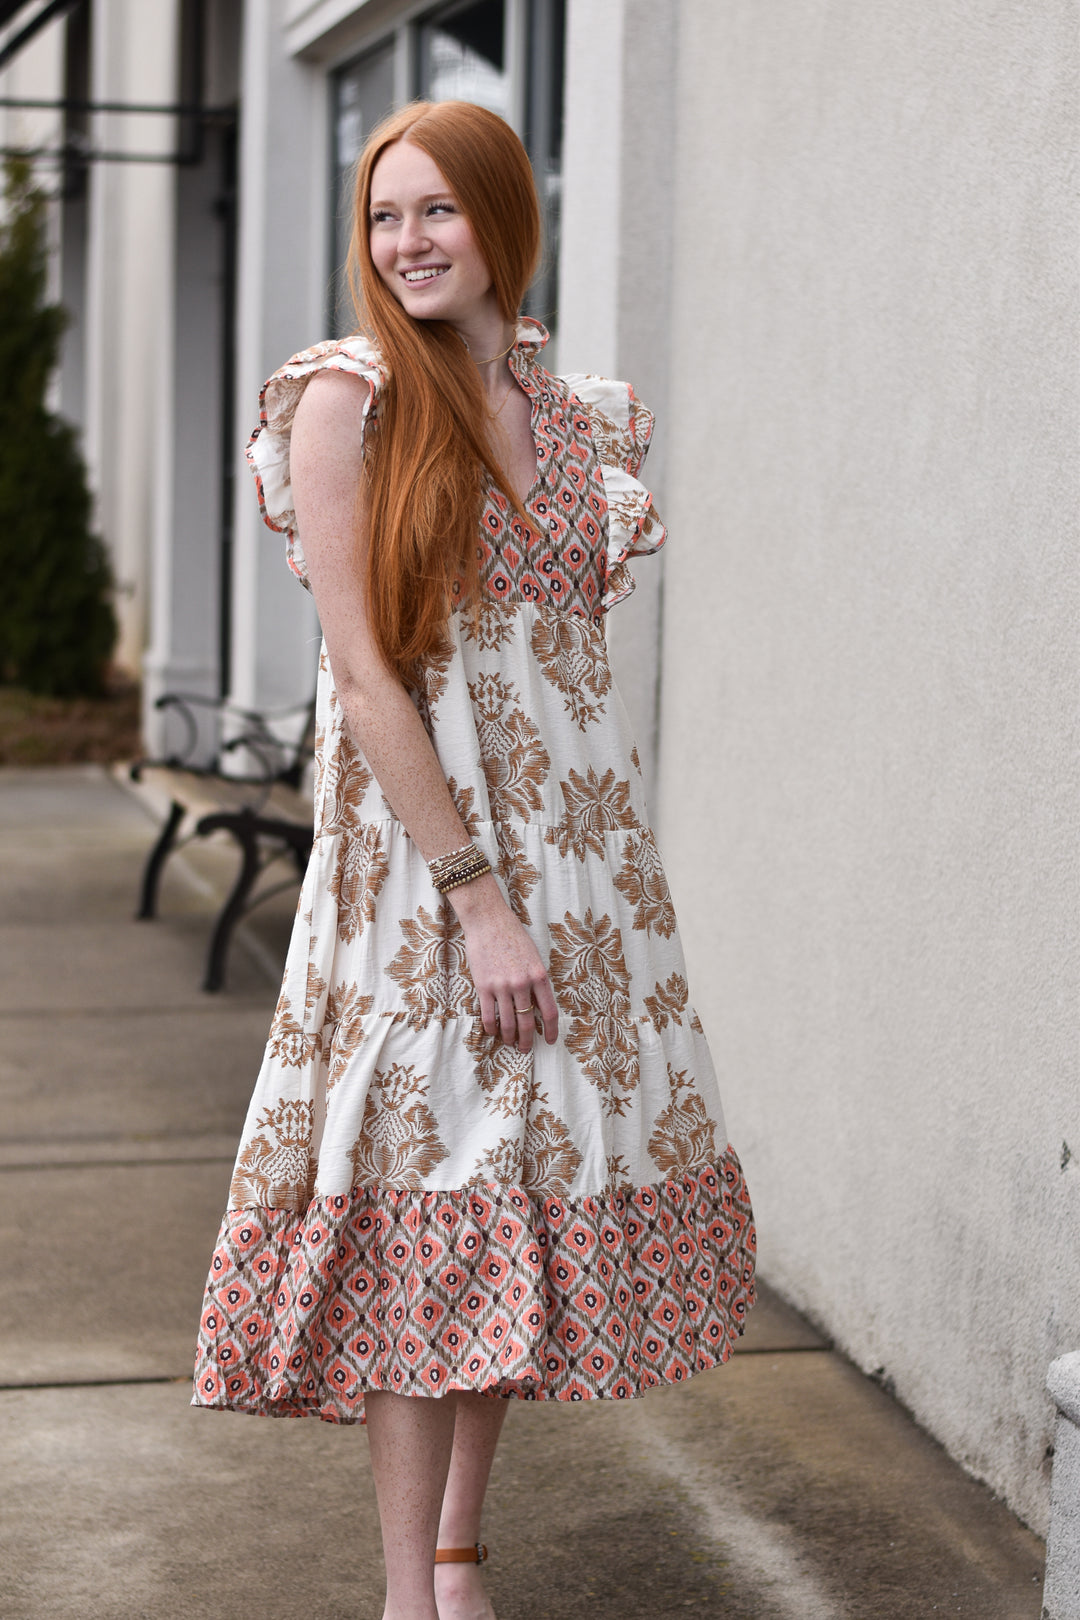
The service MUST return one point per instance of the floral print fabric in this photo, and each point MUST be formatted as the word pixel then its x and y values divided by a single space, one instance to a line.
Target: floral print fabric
pixel 416 1206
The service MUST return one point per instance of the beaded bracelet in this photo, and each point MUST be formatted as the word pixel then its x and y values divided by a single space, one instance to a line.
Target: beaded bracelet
pixel 461 866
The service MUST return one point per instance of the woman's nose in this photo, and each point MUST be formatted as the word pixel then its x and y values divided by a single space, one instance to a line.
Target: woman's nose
pixel 413 237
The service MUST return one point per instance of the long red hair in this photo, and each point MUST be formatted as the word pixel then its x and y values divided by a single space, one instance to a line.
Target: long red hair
pixel 426 459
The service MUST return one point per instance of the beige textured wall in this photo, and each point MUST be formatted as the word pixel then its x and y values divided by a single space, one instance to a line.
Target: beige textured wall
pixel 870 673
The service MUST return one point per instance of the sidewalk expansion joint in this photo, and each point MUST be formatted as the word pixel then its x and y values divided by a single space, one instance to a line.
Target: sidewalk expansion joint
pixel 784 1350
pixel 99 1383
pixel 116 1164
pixel 214 1002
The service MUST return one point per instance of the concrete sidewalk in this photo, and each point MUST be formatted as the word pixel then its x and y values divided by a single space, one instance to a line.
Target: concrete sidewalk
pixel 782 1487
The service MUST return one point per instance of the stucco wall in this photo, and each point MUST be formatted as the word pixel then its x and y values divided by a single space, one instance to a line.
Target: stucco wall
pixel 870 674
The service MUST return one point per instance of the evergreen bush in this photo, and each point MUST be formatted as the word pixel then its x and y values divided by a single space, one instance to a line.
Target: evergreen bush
pixel 57 625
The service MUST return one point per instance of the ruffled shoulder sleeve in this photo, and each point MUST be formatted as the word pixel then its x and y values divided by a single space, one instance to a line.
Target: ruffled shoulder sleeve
pixel 268 447
pixel 621 429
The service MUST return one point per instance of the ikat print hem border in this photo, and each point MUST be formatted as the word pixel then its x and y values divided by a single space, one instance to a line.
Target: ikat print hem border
pixel 486 1289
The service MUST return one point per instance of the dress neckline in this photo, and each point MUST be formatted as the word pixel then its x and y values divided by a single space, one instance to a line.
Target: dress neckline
pixel 522 360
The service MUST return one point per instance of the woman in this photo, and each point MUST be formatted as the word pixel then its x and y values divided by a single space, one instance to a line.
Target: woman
pixel 485 1155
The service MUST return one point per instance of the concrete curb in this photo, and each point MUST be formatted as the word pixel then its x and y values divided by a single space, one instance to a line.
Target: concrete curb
pixel 1061 1594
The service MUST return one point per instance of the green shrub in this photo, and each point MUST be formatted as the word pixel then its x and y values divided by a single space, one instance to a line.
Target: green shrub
pixel 57 625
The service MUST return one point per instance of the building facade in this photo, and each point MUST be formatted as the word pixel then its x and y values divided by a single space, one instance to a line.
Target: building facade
pixel 833 246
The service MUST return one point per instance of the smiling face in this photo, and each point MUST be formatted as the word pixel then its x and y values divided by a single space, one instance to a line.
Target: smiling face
pixel 422 246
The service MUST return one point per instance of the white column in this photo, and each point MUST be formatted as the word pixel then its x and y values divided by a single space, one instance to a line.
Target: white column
pixel 284 188
pixel 183 655
pixel 129 292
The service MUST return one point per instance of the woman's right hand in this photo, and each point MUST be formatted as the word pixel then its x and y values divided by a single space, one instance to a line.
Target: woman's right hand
pixel 507 970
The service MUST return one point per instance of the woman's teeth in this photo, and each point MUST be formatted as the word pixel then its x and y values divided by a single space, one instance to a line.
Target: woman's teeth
pixel 426 275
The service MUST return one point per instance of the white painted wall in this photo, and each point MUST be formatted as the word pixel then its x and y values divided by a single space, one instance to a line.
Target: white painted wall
pixel 615 272
pixel 870 673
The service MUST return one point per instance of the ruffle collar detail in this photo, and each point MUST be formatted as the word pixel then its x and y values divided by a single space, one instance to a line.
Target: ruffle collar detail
pixel 621 430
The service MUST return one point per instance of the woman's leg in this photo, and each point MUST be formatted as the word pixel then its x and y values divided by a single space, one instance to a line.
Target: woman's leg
pixel 459 1587
pixel 411 1437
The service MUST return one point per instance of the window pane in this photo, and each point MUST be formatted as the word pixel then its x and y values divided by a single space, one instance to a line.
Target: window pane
pixel 363 94
pixel 462 56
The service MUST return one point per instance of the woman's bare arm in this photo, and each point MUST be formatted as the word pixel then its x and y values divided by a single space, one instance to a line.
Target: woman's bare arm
pixel 326 458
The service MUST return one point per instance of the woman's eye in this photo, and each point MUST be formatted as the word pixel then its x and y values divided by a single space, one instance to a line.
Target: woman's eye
pixel 440 208
pixel 379 216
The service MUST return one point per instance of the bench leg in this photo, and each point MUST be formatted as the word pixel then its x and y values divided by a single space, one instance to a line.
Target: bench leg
pixel 156 860
pixel 244 831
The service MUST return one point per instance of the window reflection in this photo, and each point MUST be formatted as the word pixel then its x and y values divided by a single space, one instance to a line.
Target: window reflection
pixel 363 93
pixel 463 55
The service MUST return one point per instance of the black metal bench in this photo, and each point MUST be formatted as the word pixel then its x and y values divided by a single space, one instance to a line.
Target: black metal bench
pixel 258 802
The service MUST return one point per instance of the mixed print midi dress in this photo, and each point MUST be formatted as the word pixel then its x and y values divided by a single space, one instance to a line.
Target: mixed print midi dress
pixel 417 1207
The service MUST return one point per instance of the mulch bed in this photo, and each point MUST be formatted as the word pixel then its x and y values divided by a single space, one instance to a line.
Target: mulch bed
pixel 69 731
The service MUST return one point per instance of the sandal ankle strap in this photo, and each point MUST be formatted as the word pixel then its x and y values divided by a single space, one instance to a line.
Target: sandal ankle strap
pixel 476 1554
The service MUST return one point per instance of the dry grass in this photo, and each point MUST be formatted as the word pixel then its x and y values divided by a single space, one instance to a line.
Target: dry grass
pixel 68 731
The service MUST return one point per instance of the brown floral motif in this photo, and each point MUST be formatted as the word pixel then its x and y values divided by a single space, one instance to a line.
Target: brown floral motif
pixel 347 781
pixel 595 805
pixel 684 1137
pixel 619 583
pixel 573 659
pixel 275 1168
pixel 650 536
pixel 362 869
pixel 399 1141
pixel 592 985
pixel 431 682
pixel 465 800
pixel 669 1002
pixel 490 626
pixel 618 1173
pixel 613 444
pixel 515 761
pixel 543 1159
pixel 518 873
pixel 431 968
pixel 643 883
pixel 504 1074
pixel 289 1041
pixel 320 762
pixel 635 759
pixel 343 1029
pixel 629 513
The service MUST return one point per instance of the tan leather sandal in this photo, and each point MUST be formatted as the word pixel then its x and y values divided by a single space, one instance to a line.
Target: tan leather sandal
pixel 461 1555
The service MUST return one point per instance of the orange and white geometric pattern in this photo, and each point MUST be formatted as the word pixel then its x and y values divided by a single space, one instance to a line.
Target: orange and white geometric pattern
pixel 486 1289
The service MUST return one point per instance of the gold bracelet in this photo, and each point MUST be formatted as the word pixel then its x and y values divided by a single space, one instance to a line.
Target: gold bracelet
pixel 442 863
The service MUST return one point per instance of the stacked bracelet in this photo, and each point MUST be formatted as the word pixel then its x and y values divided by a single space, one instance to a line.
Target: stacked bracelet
pixel 461 866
